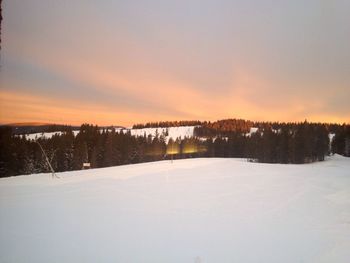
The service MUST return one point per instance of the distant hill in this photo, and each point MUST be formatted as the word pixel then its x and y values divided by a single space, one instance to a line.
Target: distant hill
pixel 20 124
pixel 36 127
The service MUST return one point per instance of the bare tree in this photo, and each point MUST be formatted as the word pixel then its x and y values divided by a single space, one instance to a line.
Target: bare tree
pixel 47 160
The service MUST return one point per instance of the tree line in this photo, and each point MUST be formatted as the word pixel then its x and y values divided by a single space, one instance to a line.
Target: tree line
pixel 99 147
pixel 166 124
pixel 223 127
pixel 227 126
pixel 27 129
pixel 288 143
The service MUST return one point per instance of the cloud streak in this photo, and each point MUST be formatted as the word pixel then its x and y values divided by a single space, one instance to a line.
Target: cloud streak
pixel 121 62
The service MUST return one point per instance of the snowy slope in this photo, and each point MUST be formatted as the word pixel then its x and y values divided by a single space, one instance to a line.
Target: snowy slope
pixel 173 132
pixel 252 130
pixel 194 210
pixel 47 135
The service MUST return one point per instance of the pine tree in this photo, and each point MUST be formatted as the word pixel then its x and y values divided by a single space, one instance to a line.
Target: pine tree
pixel 80 154
pixel 283 150
pixel 112 154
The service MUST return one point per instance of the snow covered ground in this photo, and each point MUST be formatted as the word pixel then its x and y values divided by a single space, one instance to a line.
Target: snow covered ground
pixel 172 132
pixel 47 135
pixel 194 210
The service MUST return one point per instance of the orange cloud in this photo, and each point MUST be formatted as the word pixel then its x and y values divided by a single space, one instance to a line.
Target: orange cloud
pixel 250 95
pixel 20 107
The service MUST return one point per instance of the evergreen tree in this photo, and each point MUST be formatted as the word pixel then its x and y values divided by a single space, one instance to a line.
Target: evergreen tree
pixel 283 148
pixel 112 155
pixel 80 154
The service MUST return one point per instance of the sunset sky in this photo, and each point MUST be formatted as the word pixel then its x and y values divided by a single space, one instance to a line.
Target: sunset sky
pixel 124 62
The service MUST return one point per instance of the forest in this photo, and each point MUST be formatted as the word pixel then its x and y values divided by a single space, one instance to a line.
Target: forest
pixel 272 143
pixel 165 124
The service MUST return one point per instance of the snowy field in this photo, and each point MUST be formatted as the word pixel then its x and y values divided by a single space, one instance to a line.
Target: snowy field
pixel 194 210
pixel 47 135
pixel 171 132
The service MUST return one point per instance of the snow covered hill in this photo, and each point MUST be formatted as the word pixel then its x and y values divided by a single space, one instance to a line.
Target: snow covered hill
pixel 47 135
pixel 194 210
pixel 171 132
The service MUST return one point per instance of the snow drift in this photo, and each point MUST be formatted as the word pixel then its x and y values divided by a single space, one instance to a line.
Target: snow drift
pixel 194 210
